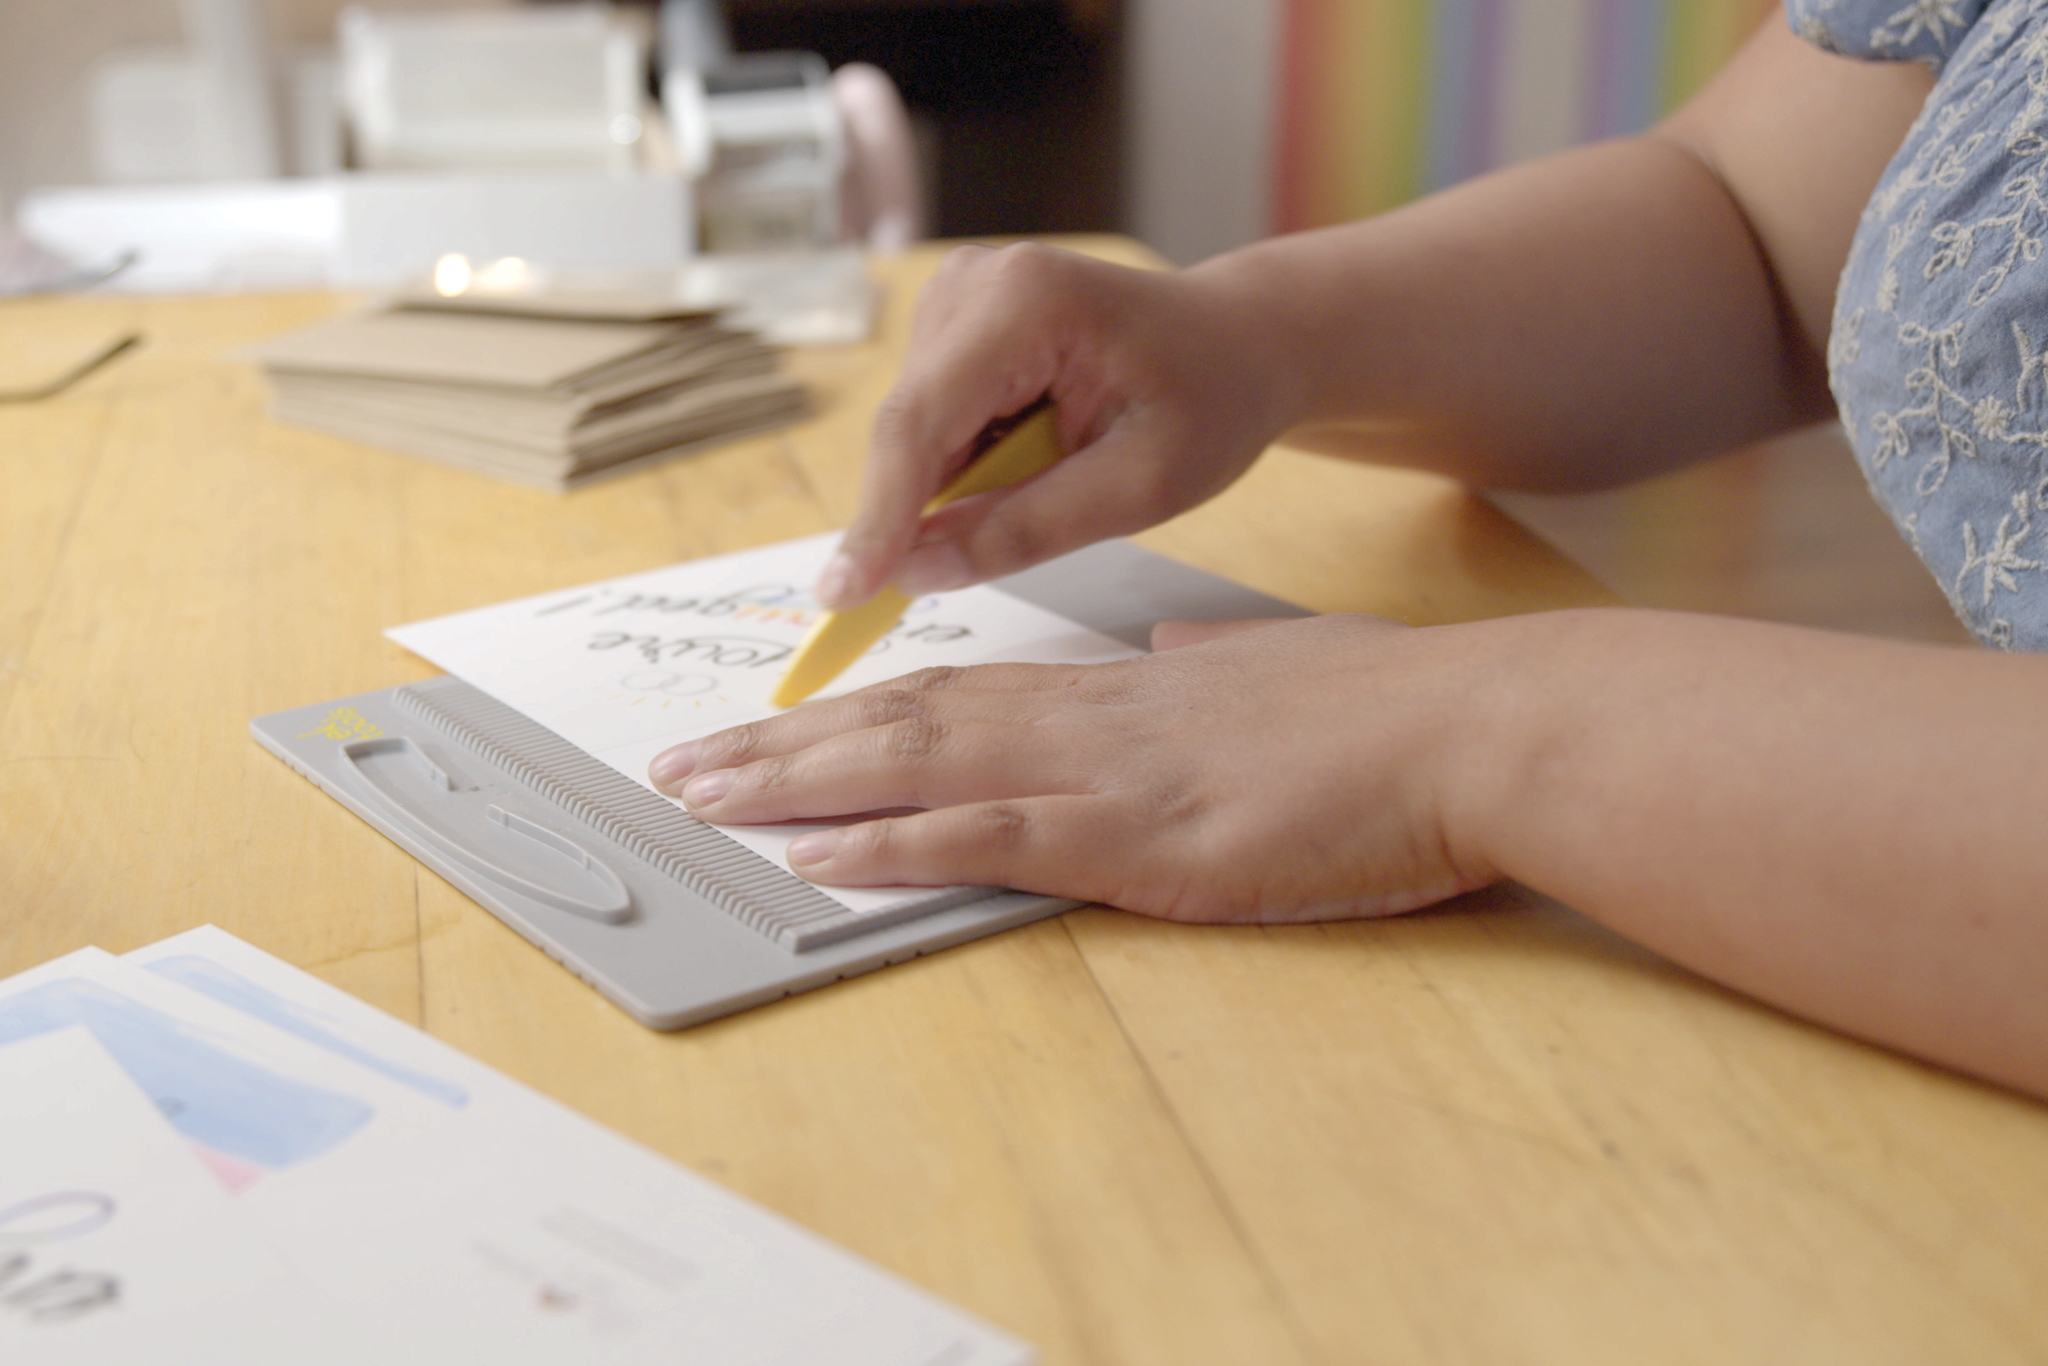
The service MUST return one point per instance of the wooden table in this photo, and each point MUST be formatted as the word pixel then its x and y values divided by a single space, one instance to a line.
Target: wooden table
pixel 1492 1133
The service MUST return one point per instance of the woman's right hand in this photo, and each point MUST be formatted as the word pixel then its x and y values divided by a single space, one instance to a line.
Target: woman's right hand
pixel 1167 388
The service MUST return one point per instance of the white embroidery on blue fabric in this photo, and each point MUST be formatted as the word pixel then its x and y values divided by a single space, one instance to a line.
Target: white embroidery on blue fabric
pixel 1959 240
pixel 1894 429
pixel 1946 403
pixel 1922 16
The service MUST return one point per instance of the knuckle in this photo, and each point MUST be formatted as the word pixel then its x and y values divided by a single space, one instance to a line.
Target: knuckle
pixel 1113 688
pixel 867 841
pixel 1157 487
pixel 731 747
pixel 914 741
pixel 1001 826
pixel 1024 265
pixel 938 678
pixel 1175 804
pixel 954 282
pixel 887 708
pixel 964 260
pixel 768 775
pixel 1018 542
pixel 896 418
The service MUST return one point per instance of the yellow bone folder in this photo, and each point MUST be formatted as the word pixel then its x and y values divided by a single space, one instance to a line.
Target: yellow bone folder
pixel 1013 449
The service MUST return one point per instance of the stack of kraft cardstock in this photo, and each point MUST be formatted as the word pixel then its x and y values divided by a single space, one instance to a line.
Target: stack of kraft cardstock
pixel 551 395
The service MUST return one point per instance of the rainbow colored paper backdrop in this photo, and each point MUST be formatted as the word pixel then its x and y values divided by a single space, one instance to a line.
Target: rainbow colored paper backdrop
pixel 1383 100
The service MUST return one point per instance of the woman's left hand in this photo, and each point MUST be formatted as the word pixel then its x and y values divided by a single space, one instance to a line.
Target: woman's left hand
pixel 1283 771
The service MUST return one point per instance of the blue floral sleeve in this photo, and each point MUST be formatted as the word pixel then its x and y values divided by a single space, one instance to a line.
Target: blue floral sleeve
pixel 1938 353
pixel 1886 30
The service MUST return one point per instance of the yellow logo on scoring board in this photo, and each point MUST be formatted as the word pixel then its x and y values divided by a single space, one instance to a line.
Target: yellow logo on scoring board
pixel 345 723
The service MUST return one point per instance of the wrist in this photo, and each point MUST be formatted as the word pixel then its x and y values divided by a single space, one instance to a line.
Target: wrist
pixel 1530 685
pixel 1255 300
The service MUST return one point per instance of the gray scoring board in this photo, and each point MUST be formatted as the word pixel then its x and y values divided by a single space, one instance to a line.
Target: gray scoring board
pixel 713 928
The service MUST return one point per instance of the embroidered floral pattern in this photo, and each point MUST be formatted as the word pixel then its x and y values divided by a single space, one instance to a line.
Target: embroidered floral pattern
pixel 1934 18
pixel 1939 352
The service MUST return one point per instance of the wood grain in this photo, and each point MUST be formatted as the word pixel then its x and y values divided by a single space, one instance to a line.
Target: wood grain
pixel 1488 1133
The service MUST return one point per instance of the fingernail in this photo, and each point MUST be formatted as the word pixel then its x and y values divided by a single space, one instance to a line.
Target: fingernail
pixel 707 788
pixel 815 847
pixel 671 766
pixel 934 569
pixel 833 583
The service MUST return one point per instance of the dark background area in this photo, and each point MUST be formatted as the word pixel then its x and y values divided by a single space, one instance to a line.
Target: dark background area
pixel 1023 99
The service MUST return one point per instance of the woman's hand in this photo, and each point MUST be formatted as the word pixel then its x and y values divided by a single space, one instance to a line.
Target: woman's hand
pixel 1297 770
pixel 1166 390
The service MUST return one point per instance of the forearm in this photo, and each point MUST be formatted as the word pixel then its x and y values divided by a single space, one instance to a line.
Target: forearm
pixel 1851 829
pixel 1595 316
pixel 1575 322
